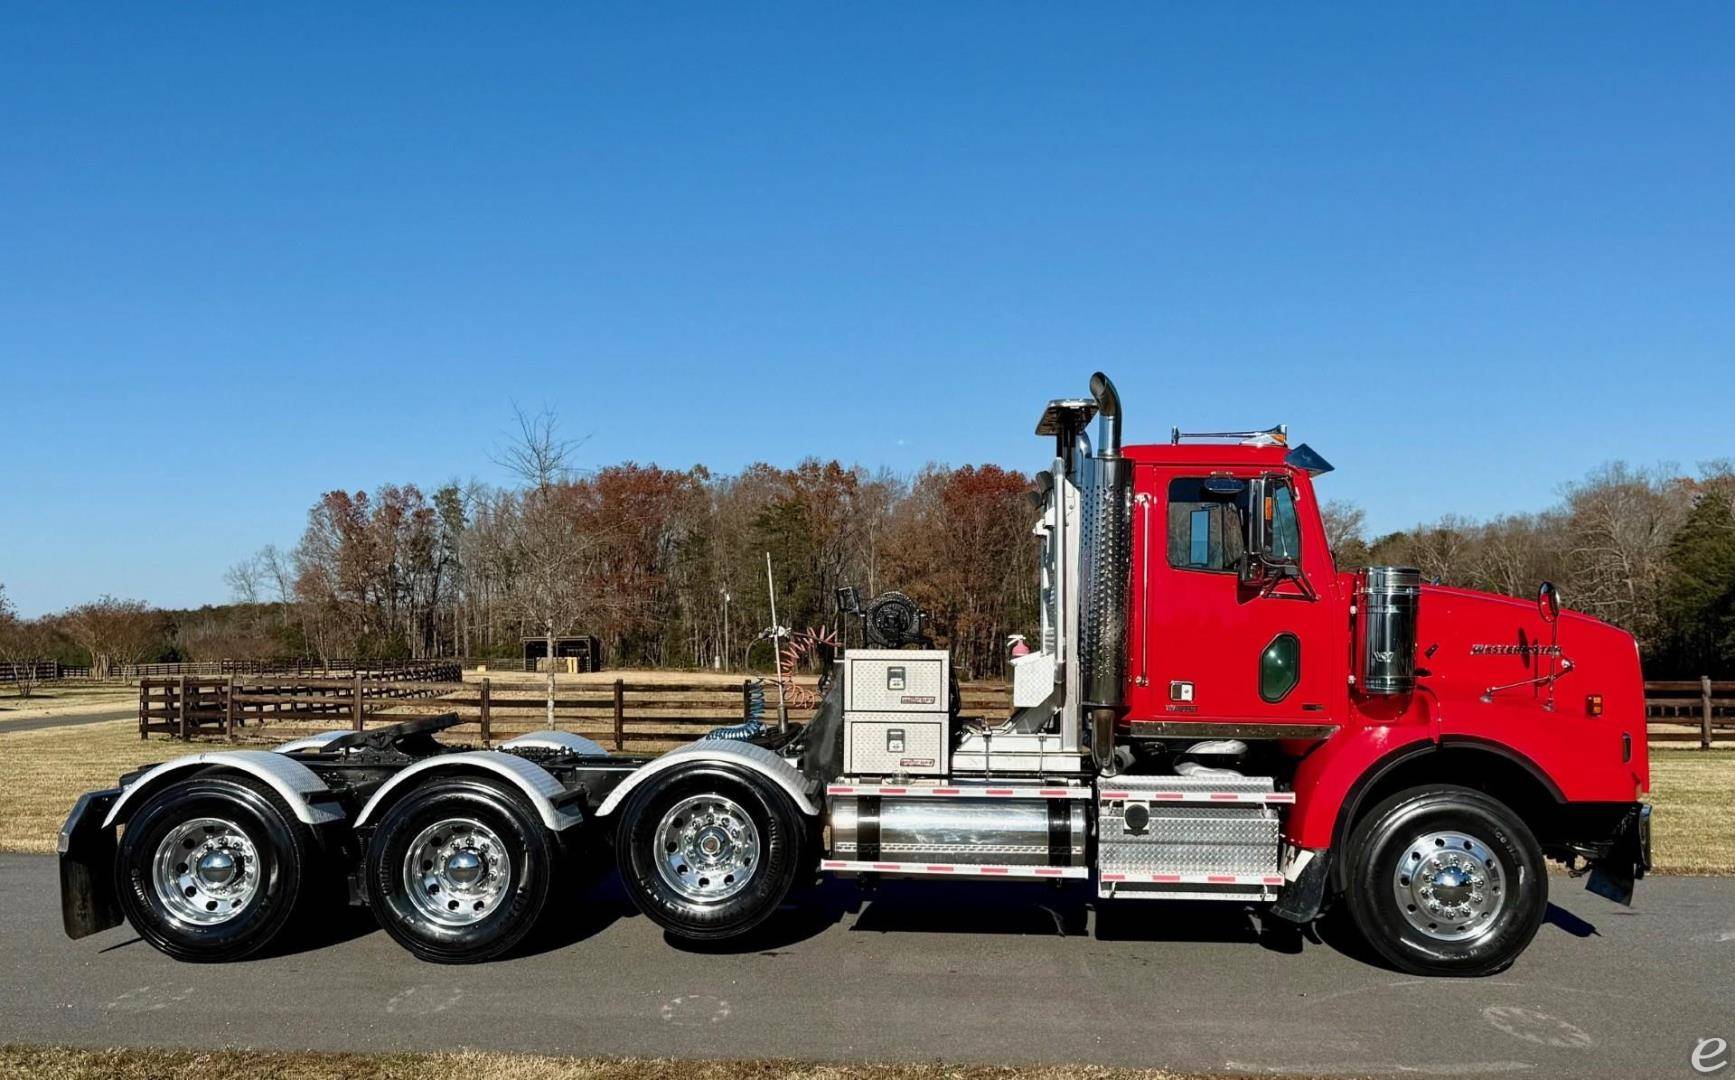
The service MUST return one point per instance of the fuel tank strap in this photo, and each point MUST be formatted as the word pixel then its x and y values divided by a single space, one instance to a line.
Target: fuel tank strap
pixel 867 836
pixel 1059 832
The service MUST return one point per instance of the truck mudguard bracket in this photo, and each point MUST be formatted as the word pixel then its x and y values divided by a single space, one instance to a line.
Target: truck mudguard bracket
pixel 745 755
pixel 551 799
pixel 557 740
pixel 307 795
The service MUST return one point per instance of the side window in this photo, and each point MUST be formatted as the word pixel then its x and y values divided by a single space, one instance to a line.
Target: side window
pixel 1206 528
pixel 1279 667
pixel 1285 526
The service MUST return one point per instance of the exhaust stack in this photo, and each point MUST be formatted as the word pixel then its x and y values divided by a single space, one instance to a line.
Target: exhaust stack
pixel 1107 557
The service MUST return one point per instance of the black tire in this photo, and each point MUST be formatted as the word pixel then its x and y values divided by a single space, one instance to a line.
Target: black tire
pixel 1452 833
pixel 517 854
pixel 777 852
pixel 282 856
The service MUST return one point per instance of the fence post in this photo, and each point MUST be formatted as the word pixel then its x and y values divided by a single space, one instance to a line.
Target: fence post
pixel 620 718
pixel 487 714
pixel 355 701
pixel 229 708
pixel 183 707
pixel 144 706
pixel 1704 712
pixel 746 700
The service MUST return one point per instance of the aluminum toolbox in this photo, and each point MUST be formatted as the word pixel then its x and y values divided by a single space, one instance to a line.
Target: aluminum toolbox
pixel 897 680
pixel 896 744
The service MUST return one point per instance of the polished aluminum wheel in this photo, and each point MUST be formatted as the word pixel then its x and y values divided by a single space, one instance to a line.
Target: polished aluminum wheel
pixel 708 848
pixel 205 871
pixel 456 872
pixel 1450 886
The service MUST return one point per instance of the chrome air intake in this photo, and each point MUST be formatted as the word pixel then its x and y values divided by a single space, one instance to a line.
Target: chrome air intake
pixel 1106 547
pixel 1386 603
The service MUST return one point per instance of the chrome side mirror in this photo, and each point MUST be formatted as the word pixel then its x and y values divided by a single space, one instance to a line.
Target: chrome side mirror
pixel 1548 601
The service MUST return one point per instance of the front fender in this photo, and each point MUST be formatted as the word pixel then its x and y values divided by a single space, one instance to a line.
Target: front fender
pixel 1331 777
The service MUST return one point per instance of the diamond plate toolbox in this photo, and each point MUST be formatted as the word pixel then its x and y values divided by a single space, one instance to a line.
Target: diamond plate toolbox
pixel 1149 825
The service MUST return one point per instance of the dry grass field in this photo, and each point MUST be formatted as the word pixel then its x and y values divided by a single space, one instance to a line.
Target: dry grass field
pixel 56 1063
pixel 1694 826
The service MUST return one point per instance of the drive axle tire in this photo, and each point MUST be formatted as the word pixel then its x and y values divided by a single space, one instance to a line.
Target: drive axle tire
pixel 213 868
pixel 460 870
pixel 1446 881
pixel 709 852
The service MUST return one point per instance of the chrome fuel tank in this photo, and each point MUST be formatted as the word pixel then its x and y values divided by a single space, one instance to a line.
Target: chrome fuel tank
pixel 1014 832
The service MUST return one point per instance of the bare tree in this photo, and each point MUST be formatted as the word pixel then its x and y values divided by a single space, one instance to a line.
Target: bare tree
pixel 1345 532
pixel 549 551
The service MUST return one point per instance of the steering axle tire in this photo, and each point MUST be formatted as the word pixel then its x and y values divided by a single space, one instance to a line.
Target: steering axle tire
pixel 1446 880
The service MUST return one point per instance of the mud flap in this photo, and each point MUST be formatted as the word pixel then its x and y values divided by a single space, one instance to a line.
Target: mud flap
pixel 1302 898
pixel 1628 858
pixel 88 903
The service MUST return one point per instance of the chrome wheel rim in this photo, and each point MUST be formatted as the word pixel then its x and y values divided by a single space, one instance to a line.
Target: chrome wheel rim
pixel 205 871
pixel 1450 886
pixel 707 848
pixel 456 872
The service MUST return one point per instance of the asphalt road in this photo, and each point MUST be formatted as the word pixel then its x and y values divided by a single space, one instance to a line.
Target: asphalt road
pixel 913 972
pixel 37 723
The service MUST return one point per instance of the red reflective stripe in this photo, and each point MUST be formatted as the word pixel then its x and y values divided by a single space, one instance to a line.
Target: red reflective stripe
pixel 1001 791
pixel 840 790
pixel 1170 795
pixel 885 866
pixel 1281 796
pixel 1166 877
pixel 1055 792
pixel 995 870
pixel 830 865
pixel 1225 796
pixel 1114 877
pixel 892 790
pixel 1220 879
pixel 942 869
pixel 1273 879
pixel 1045 871
pixel 945 791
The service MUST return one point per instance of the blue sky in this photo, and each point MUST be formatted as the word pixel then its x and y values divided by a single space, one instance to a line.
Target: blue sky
pixel 248 255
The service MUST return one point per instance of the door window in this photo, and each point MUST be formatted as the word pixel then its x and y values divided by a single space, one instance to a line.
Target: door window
pixel 1207 529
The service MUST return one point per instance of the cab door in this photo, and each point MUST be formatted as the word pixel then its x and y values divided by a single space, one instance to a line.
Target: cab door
pixel 1207 645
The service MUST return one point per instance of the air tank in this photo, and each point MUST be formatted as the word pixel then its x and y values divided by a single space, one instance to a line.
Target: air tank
pixel 1386 604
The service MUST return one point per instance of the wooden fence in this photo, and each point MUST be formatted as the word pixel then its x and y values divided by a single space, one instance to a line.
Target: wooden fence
pixel 644 714
pixel 1690 711
pixel 1700 711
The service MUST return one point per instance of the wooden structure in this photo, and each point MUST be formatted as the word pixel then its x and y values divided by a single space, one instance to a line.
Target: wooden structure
pixel 584 650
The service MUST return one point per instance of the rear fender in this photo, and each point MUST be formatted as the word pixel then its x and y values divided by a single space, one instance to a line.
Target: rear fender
pixel 553 802
pixel 743 755
pixel 307 795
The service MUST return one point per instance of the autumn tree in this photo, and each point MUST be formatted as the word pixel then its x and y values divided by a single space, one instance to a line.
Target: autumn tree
pixel 114 632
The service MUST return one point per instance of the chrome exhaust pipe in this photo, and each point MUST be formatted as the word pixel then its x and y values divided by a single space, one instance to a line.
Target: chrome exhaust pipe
pixel 1107 556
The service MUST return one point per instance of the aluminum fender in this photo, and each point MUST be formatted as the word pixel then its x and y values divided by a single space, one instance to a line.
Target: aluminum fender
pixel 537 784
pixel 311 742
pixel 1329 777
pixel 305 792
pixel 557 740
pixel 747 755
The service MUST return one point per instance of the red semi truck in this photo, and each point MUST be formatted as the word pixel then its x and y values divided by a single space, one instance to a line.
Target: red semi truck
pixel 1215 711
